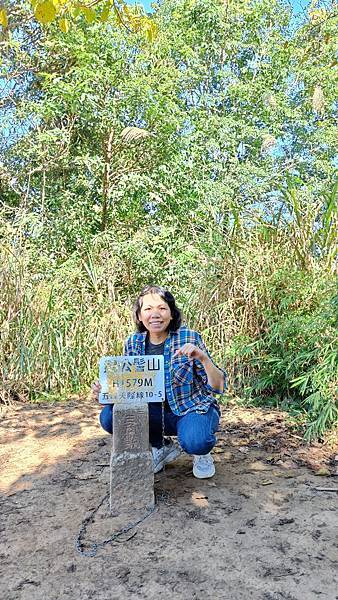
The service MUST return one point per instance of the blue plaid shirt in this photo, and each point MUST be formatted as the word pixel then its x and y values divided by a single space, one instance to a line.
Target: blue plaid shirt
pixel 186 382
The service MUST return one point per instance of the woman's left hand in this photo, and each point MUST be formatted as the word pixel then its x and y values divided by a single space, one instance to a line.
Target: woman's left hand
pixel 191 351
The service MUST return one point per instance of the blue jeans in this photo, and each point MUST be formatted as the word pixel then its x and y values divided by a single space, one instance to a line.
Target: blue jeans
pixel 195 431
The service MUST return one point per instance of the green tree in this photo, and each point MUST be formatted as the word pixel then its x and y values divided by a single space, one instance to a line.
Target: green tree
pixel 205 160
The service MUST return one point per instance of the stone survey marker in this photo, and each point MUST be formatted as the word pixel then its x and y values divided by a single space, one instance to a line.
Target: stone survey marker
pixel 130 382
pixel 131 465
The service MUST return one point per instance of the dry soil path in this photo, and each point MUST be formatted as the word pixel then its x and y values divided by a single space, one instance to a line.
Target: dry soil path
pixel 259 529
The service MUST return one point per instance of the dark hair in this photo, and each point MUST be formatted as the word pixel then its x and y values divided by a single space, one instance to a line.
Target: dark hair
pixel 176 314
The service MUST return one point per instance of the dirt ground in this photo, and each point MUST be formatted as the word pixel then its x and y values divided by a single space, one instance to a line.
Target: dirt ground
pixel 265 527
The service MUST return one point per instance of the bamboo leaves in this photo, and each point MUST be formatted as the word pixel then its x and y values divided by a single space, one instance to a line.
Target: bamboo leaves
pixel 210 156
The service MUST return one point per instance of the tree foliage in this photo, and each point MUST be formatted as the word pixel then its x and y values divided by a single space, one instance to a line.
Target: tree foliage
pixel 68 13
pixel 204 161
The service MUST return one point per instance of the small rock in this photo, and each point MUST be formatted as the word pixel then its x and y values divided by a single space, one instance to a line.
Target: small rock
pixel 289 474
pixel 122 572
pixel 285 521
pixel 323 472
pixel 316 534
pixel 244 494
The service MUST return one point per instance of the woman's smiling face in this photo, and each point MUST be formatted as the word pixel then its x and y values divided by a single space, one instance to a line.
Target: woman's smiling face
pixel 155 314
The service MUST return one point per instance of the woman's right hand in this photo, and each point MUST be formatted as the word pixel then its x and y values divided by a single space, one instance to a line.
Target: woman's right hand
pixel 96 388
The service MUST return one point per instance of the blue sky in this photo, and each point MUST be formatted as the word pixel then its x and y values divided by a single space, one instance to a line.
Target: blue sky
pixel 298 5
pixel 146 4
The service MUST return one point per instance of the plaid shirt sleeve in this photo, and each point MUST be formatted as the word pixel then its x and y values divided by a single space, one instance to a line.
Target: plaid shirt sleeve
pixel 191 389
pixel 186 382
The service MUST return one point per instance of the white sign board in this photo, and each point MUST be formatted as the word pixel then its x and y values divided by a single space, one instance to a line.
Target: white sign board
pixel 131 379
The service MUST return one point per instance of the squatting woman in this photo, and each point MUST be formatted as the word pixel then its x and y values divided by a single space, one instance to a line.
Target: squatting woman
pixel 192 380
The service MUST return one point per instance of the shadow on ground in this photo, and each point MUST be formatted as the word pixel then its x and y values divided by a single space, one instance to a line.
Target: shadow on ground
pixel 259 529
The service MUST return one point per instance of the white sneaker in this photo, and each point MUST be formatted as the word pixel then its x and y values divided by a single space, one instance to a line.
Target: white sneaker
pixel 203 466
pixel 163 456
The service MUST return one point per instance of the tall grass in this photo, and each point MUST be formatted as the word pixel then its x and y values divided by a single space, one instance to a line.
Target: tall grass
pixel 264 313
pixel 55 323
